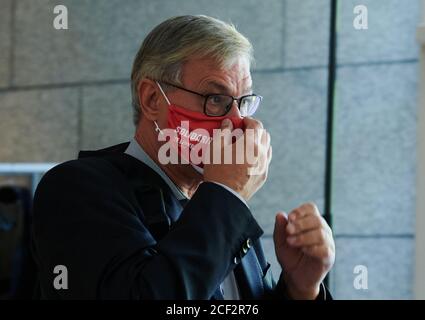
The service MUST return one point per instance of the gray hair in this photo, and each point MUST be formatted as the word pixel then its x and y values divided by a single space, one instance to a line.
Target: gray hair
pixel 176 40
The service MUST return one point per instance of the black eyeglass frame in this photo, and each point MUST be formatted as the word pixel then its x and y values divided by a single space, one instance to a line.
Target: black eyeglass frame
pixel 206 97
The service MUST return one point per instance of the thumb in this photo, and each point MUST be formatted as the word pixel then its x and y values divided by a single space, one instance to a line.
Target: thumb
pixel 279 233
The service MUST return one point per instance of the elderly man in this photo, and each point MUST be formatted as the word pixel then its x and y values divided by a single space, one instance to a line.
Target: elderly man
pixel 123 223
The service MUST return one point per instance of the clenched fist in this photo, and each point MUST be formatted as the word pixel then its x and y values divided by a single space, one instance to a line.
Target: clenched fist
pixel 305 250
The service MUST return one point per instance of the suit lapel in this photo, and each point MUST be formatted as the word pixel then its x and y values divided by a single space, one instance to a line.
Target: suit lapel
pixel 159 205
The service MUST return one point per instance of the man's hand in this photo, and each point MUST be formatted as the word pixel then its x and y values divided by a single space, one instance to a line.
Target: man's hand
pixel 305 250
pixel 245 178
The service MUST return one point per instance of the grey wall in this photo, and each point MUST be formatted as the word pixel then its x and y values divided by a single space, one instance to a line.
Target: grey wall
pixel 66 90
pixel 375 149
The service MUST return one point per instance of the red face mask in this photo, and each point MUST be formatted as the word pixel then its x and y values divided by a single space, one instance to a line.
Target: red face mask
pixel 187 125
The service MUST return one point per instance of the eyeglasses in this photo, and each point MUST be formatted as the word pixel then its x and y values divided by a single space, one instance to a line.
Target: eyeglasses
pixel 217 105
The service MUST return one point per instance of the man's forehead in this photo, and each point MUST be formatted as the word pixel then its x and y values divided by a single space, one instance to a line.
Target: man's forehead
pixel 245 84
pixel 207 74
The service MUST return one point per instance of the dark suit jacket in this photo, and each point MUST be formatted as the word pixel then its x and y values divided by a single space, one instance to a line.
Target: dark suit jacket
pixel 118 229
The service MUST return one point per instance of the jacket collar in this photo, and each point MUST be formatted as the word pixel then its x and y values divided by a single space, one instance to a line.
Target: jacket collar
pixel 159 204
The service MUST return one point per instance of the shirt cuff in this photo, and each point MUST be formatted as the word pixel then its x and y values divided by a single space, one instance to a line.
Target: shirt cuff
pixel 231 191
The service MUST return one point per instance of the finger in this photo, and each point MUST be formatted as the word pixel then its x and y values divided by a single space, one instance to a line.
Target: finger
pixel 304 210
pixel 264 147
pixel 310 207
pixel 265 138
pixel 262 138
pixel 252 123
pixel 269 138
pixel 226 129
pixel 268 148
pixel 258 143
pixel 306 223
pixel 279 233
pixel 309 238
pixel 270 154
pixel 227 124
pixel 297 214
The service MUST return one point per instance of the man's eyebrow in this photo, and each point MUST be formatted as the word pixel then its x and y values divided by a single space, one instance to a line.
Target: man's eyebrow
pixel 218 87
pixel 223 89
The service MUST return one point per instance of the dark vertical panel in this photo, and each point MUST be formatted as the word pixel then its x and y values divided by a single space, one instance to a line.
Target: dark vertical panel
pixel 330 113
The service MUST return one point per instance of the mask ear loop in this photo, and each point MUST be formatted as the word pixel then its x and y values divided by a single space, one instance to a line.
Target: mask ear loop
pixel 163 93
pixel 157 128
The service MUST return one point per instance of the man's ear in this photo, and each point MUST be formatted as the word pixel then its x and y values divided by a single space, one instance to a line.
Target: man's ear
pixel 149 99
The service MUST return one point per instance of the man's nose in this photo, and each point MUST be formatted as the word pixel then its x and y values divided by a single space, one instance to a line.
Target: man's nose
pixel 234 110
